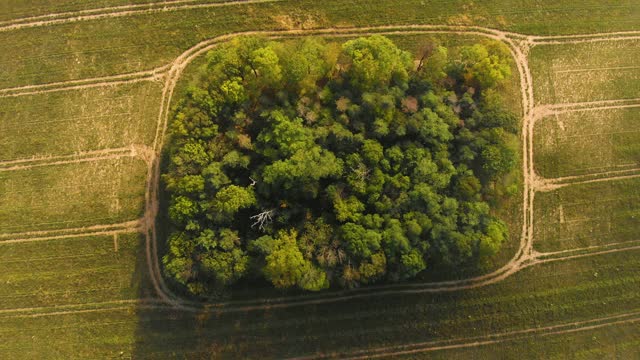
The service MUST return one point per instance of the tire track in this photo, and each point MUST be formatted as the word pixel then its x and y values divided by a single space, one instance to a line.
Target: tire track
pixel 459 343
pixel 550 184
pixel 544 259
pixel 542 111
pixel 89 156
pixel 118 11
pixel 589 250
pixel 156 74
pixel 135 150
pixel 95 230
pixel 76 308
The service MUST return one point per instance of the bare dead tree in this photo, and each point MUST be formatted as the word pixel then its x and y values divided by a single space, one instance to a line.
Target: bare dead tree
pixel 362 172
pixel 263 219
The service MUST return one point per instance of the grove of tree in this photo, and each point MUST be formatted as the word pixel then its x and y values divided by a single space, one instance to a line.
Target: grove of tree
pixel 314 164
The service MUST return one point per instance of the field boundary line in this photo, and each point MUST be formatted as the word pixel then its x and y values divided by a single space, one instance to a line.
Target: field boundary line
pixel 596 69
pixel 542 184
pixel 156 74
pixel 48 310
pixel 457 343
pixel 546 110
pixel 139 151
pixel 112 12
pixel 586 251
pixel 537 261
pixel 88 231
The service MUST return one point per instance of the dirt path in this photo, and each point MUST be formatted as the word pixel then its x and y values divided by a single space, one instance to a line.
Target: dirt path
pixel 631 244
pixel 118 11
pixel 136 150
pixel 549 184
pixel 92 156
pixel 156 74
pixel 42 235
pixel 460 343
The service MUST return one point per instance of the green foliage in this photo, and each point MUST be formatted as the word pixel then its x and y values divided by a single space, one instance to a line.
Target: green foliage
pixel 486 64
pixel 309 163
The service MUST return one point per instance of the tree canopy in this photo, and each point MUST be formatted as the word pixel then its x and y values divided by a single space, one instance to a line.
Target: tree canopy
pixel 313 164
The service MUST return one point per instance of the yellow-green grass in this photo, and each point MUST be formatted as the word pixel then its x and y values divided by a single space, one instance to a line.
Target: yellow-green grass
pixel 587 142
pixel 544 295
pixel 72 195
pixel 17 9
pixel 126 44
pixel 591 214
pixel 71 271
pixel 72 121
pixel 619 341
pixel 592 71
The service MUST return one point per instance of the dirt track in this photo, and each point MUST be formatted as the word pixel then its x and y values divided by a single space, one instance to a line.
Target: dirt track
pixel 116 11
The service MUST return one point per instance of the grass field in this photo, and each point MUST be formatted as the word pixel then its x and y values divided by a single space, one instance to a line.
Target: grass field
pixel 585 215
pixel 584 142
pixel 127 44
pixel 82 120
pixel 71 271
pixel 74 274
pixel 546 295
pixel 593 71
pixel 72 195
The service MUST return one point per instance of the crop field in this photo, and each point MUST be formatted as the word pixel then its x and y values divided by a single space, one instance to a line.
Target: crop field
pixel 86 90
pixel 83 120
pixel 585 142
pixel 592 214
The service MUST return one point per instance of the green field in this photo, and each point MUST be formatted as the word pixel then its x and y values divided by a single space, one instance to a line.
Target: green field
pixel 585 142
pixel 591 71
pixel 68 293
pixel 83 120
pixel 546 295
pixel 75 195
pixel 585 215
pixel 71 271
pixel 126 44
